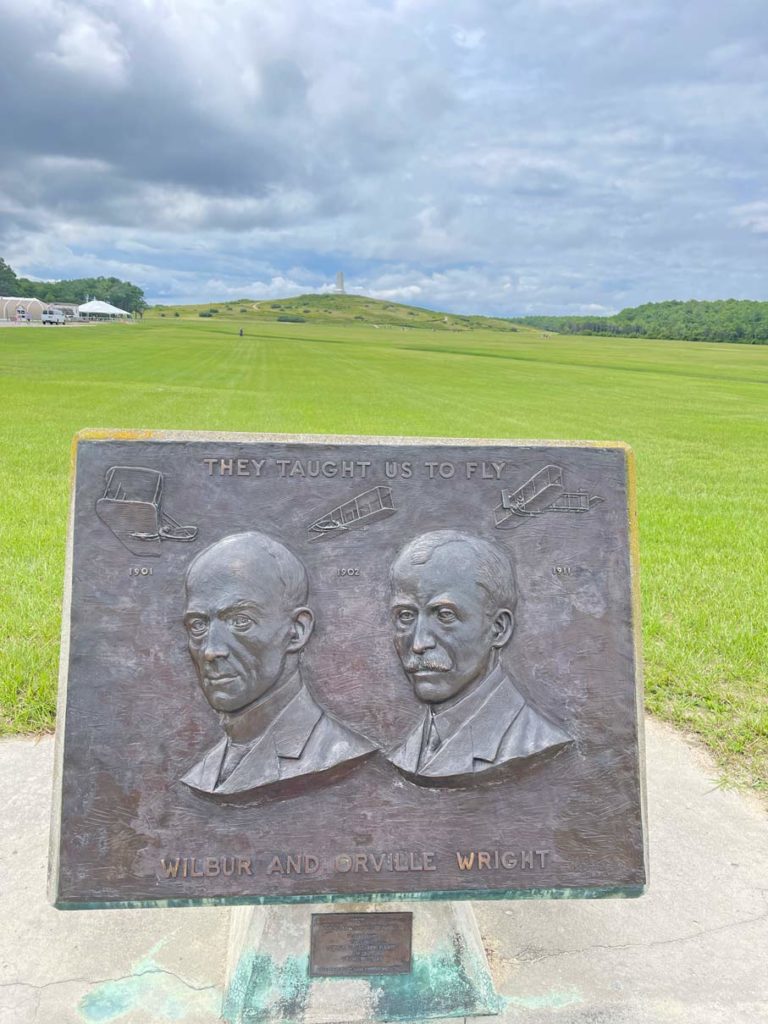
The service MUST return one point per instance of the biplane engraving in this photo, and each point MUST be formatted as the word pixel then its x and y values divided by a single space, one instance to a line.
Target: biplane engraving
pixel 544 492
pixel 131 507
pixel 369 507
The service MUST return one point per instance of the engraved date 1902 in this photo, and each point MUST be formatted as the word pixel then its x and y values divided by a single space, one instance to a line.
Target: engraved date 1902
pixel 351 571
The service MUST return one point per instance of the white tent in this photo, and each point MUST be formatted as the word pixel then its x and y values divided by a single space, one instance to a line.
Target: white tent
pixel 100 310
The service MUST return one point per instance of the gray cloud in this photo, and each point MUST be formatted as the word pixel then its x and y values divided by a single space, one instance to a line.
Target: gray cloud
pixel 492 155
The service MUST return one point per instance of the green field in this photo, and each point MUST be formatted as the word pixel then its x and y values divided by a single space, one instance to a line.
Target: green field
pixel 696 416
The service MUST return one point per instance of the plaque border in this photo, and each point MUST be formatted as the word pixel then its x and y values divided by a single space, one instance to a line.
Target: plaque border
pixel 109 434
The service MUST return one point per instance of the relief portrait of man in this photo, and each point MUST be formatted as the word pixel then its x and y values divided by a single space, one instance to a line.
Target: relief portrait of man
pixel 453 608
pixel 247 619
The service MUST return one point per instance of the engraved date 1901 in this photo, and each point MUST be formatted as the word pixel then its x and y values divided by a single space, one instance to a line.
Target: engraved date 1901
pixel 140 570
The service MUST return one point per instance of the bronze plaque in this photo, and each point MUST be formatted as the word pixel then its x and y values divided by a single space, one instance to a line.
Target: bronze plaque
pixel 302 666
pixel 352 945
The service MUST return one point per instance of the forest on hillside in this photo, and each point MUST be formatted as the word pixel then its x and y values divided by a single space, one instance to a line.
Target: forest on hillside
pixel 735 320
pixel 122 294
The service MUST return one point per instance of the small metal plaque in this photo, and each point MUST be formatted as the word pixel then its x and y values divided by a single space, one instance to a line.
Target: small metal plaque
pixel 348 667
pixel 353 945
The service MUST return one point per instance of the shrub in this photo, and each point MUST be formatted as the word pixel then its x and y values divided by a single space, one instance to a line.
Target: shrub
pixel 212 311
pixel 205 314
pixel 177 314
pixel 162 314
pixel 291 319
pixel 243 309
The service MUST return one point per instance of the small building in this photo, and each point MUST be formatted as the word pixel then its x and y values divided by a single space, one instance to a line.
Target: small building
pixel 98 310
pixel 20 309
pixel 69 309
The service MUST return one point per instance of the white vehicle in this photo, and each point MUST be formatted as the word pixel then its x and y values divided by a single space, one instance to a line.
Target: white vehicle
pixel 53 316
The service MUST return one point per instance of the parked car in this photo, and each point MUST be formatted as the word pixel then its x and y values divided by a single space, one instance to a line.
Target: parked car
pixel 52 316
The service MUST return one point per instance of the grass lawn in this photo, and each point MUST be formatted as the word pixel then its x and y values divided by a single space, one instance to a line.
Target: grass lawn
pixel 696 415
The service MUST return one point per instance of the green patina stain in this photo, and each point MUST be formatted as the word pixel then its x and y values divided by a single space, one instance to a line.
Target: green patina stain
pixel 261 986
pixel 449 983
pixel 550 1001
pixel 151 989
pixel 107 1002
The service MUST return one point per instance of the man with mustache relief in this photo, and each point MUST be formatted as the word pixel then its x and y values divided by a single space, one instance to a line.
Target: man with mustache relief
pixel 453 603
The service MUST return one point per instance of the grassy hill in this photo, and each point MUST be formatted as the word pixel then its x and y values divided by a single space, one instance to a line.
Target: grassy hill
pixel 730 320
pixel 341 310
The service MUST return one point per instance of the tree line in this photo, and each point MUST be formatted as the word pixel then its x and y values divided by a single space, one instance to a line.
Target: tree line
pixel 122 294
pixel 737 320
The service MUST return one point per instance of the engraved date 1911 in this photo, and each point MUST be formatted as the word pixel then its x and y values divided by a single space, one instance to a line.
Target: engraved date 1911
pixel 140 570
pixel 350 571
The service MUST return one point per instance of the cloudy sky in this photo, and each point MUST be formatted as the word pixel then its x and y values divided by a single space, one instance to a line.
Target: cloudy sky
pixel 496 156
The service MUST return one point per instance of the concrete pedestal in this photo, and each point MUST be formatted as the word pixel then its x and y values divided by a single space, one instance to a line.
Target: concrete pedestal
pixel 269 982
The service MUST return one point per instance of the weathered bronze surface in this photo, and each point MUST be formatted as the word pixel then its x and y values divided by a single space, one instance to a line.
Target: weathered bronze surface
pixel 353 945
pixel 349 667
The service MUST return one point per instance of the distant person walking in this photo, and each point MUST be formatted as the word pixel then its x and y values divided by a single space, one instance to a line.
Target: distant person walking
pixel 241 332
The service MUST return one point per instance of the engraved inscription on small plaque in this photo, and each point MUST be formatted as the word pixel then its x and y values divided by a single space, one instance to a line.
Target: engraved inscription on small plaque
pixel 354 945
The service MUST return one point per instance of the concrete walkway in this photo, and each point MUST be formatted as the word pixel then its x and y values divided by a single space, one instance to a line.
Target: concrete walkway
pixel 694 951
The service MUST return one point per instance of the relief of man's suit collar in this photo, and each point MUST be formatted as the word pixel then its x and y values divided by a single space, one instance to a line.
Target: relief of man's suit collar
pixel 492 726
pixel 277 752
